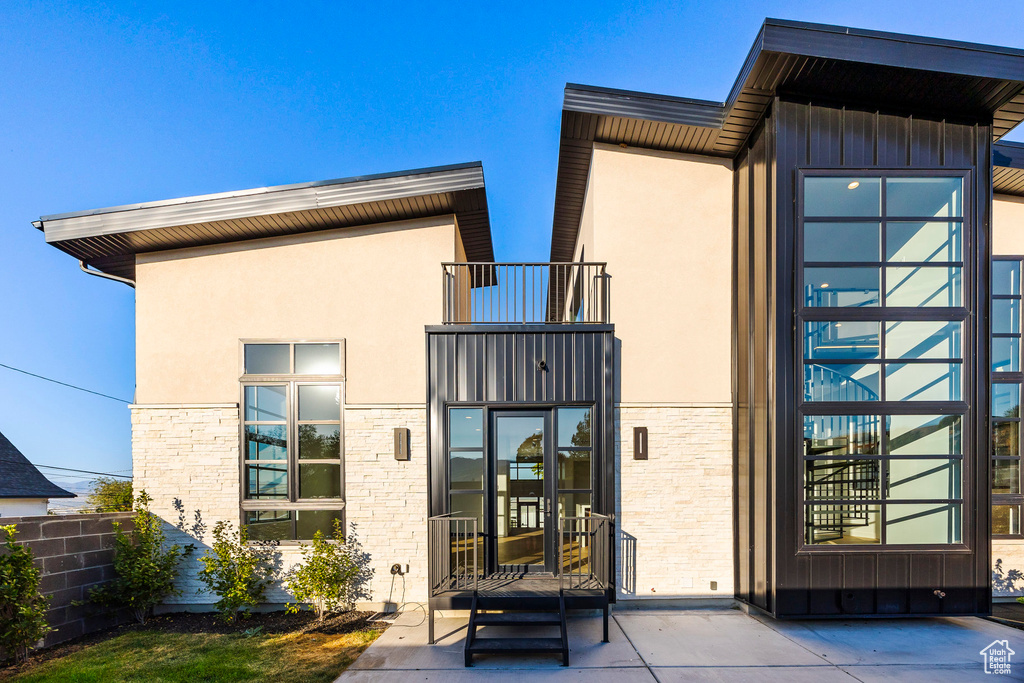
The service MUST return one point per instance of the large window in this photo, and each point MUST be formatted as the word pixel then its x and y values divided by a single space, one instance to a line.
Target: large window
pixel 1007 499
pixel 881 322
pixel 292 438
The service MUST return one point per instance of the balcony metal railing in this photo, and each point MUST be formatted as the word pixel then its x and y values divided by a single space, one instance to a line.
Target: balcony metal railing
pixel 584 552
pixel 524 293
pixel 453 554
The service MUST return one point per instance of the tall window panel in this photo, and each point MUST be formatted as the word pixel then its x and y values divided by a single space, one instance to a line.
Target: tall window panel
pixel 882 329
pixel 467 470
pixel 1007 499
pixel 292 434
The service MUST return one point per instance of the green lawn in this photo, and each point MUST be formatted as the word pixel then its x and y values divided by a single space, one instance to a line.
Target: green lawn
pixel 172 657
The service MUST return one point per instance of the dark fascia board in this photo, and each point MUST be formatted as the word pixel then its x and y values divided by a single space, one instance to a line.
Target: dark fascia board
pixel 881 48
pixel 892 49
pixel 589 99
pixel 353 181
pixel 1007 154
pixel 65 229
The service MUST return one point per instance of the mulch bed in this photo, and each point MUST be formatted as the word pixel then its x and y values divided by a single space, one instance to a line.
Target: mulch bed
pixel 270 623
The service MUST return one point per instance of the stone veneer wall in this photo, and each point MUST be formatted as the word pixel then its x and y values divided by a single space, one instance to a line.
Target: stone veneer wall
pixel 675 521
pixel 186 457
pixel 74 554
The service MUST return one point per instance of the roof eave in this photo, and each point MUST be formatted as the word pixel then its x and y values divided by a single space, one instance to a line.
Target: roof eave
pixel 102 236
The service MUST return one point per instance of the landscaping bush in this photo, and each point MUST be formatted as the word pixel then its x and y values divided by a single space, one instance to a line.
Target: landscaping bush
pixel 22 608
pixel 236 571
pixel 326 578
pixel 145 567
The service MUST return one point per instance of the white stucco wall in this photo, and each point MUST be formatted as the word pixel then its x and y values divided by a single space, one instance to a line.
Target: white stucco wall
pixel 22 507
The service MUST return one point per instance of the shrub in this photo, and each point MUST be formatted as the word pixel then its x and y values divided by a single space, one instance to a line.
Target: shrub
pixel 236 571
pixel 111 495
pixel 327 576
pixel 22 608
pixel 145 566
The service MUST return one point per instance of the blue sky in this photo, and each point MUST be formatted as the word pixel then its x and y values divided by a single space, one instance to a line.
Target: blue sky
pixel 118 102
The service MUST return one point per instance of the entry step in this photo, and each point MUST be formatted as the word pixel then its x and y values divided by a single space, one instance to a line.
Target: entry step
pixel 515 618
pixel 518 645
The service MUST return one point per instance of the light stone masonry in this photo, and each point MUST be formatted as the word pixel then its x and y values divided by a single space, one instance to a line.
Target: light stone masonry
pixel 675 521
pixel 1007 567
pixel 188 456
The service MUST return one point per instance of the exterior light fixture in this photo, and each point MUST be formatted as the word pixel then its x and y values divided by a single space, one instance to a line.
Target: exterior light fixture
pixel 401 443
pixel 640 443
pixel 854 185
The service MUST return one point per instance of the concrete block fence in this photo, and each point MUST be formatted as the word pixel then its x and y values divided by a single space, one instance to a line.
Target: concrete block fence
pixel 74 553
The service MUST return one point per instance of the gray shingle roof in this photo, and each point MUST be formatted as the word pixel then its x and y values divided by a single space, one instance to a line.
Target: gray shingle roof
pixel 20 479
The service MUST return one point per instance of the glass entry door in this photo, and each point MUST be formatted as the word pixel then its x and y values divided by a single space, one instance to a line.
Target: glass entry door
pixel 516 471
pixel 523 489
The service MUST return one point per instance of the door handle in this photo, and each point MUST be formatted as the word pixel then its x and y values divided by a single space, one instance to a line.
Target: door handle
pixel 547 507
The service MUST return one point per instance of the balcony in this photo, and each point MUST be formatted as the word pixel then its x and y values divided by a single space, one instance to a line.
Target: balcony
pixel 525 293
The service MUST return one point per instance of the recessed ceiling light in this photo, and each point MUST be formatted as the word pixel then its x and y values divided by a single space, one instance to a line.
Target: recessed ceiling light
pixel 854 185
pixel 839 324
pixel 824 285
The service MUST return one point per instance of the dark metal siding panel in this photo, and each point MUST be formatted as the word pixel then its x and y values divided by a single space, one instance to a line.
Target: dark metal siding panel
pixel 980 508
pixel 489 366
pixel 820 134
pixel 892 580
pixel 760 400
pixel 879 582
pixel 741 379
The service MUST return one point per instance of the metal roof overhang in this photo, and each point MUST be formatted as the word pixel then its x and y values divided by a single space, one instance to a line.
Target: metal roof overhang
pixel 108 239
pixel 887 71
pixel 1008 168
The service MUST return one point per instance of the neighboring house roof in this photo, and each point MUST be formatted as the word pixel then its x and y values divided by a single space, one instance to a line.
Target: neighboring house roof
pixel 108 239
pixel 830 63
pixel 20 479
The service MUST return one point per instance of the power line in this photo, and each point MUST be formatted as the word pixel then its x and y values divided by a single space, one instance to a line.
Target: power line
pixel 67 469
pixel 64 384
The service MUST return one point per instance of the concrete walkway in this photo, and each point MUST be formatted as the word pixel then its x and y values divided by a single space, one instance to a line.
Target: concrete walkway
pixel 702 645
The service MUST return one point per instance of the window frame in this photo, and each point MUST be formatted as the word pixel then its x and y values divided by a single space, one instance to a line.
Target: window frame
pixel 884 315
pixel 291 382
pixel 1007 377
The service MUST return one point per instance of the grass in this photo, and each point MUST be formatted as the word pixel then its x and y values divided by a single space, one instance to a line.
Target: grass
pixel 216 658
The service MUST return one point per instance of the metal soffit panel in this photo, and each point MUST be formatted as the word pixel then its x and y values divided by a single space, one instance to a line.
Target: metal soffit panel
pixel 867 68
pixel 1008 168
pixel 108 239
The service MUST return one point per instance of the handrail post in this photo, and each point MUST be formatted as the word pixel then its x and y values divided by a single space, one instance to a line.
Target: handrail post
pixel 561 552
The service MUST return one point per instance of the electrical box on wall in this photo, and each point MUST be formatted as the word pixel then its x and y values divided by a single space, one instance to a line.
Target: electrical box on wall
pixel 639 443
pixel 401 443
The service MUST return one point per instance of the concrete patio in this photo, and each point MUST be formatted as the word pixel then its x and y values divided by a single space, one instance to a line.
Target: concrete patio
pixel 702 645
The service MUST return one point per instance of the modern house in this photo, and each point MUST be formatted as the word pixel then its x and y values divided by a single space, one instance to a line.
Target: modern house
pixel 771 358
pixel 24 491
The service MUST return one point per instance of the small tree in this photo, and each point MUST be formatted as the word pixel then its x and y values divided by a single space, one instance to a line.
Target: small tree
pixel 146 567
pixel 235 571
pixel 111 495
pixel 326 577
pixel 22 608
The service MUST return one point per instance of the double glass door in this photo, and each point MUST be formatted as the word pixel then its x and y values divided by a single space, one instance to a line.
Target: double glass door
pixel 517 471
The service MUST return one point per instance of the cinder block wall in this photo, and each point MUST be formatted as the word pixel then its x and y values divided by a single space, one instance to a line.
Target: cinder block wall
pixel 187 458
pixel 74 554
pixel 675 522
